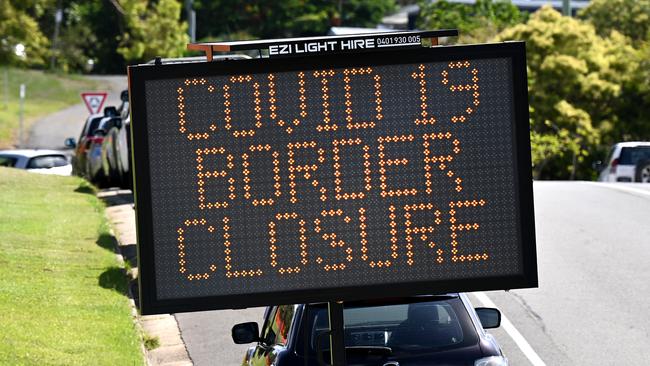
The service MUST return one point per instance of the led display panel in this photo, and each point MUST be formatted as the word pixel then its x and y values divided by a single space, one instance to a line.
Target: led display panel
pixel 336 177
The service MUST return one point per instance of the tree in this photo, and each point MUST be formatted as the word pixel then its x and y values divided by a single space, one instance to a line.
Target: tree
pixel 365 13
pixel 634 113
pixel 630 17
pixel 575 88
pixel 290 18
pixel 152 29
pixel 477 22
pixel 18 27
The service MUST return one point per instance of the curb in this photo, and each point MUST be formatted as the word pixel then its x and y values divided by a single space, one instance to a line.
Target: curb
pixel 134 312
pixel 121 217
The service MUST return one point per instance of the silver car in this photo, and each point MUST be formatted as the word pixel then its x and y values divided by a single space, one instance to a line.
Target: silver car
pixel 37 161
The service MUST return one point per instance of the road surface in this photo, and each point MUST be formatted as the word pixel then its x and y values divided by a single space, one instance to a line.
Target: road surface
pixel 593 303
pixel 593 300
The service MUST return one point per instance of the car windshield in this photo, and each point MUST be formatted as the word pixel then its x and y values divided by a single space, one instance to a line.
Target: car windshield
pixel 109 123
pixel 632 155
pixel 7 161
pixel 94 124
pixel 46 162
pixel 402 330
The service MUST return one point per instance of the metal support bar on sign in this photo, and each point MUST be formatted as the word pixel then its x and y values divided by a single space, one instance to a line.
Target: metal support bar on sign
pixel 566 8
pixel 337 335
pixel 313 46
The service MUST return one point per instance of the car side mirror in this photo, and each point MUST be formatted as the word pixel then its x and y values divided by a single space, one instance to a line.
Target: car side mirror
pixel 110 111
pixel 597 165
pixel 490 317
pixel 244 333
pixel 70 143
pixel 124 96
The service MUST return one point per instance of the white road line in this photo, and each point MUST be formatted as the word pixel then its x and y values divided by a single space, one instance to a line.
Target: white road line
pixel 619 187
pixel 521 342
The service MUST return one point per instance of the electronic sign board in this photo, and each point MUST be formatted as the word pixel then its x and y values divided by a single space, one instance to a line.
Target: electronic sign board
pixel 337 177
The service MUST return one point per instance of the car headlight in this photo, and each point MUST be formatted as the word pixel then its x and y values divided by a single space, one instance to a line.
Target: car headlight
pixel 492 361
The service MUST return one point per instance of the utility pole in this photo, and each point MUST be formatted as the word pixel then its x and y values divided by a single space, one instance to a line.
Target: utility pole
pixel 566 7
pixel 6 86
pixel 191 20
pixel 58 17
pixel 21 111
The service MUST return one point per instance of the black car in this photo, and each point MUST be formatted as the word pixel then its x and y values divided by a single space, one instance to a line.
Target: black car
pixel 423 330
pixel 83 143
pixel 94 170
pixel 92 135
pixel 116 149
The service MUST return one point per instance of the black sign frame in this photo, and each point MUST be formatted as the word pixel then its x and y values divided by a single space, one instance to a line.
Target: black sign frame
pixel 150 304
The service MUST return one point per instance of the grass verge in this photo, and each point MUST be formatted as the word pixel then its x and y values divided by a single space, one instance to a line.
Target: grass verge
pixel 62 295
pixel 45 93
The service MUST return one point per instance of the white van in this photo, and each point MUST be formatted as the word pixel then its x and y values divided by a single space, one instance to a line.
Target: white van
pixel 627 162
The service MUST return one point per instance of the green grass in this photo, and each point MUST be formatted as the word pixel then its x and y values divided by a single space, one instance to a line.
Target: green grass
pixel 62 295
pixel 150 342
pixel 45 93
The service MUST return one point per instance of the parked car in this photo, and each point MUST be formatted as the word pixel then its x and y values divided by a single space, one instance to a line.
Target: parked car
pixel 642 172
pixel 116 149
pixel 626 162
pixel 87 157
pixel 423 330
pixel 94 169
pixel 83 143
pixel 37 161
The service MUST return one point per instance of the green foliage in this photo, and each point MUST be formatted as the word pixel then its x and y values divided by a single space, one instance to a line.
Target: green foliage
pixel 476 23
pixel 576 80
pixel 76 40
pixel 106 23
pixel 365 13
pixel 268 19
pixel 150 342
pixel 634 114
pixel 18 27
pixel 152 29
pixel 289 18
pixel 111 33
pixel 630 17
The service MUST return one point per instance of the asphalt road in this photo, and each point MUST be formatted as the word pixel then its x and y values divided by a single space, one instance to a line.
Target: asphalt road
pixel 207 335
pixel 51 131
pixel 593 303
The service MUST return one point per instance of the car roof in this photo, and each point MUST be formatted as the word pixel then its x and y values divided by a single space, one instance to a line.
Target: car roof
pixel 30 153
pixel 108 118
pixel 633 143
pixel 95 115
pixel 399 300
